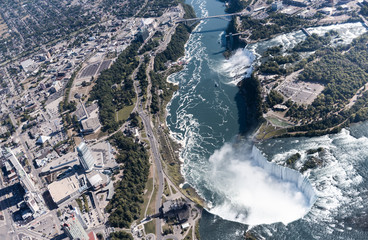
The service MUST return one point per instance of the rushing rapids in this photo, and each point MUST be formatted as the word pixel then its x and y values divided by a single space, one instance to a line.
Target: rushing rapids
pixel 204 116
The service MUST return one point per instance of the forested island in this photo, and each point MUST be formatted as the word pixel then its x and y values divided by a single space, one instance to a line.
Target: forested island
pixel 314 88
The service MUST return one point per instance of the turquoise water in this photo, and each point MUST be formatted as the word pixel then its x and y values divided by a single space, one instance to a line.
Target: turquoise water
pixel 206 115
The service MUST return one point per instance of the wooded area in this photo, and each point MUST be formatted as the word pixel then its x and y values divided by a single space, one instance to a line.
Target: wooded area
pixel 124 206
pixel 276 23
pixel 114 87
pixel 175 48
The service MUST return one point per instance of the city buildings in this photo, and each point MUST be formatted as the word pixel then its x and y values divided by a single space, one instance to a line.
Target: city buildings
pixel 24 179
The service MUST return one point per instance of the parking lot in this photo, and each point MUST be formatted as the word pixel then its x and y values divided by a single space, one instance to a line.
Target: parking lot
pixel 104 65
pixel 94 68
pixel 300 92
pixel 90 70
pixel 47 227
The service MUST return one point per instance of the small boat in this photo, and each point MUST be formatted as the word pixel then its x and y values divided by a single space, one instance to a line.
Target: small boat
pixel 216 85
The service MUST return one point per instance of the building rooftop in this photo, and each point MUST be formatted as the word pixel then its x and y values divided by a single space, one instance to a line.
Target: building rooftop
pixel 97 179
pixel 84 112
pixel 91 125
pixel 29 65
pixel 61 189
pixel 68 160
pixel 42 139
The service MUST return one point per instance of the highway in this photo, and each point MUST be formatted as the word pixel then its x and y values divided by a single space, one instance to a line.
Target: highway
pixel 148 126
pixel 156 156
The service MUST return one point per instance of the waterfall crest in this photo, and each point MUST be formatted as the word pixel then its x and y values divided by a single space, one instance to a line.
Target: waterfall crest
pixel 285 174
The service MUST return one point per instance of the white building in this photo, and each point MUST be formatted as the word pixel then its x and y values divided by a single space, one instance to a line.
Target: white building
pixel 29 199
pixel 25 180
pixel 74 229
pixel 56 86
pixel 29 65
pixel 67 188
pixel 85 157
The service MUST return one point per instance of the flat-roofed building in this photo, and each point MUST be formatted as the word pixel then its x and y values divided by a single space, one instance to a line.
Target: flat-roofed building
pixel 90 125
pixel 97 180
pixel 66 161
pixel 66 188
pixel 29 199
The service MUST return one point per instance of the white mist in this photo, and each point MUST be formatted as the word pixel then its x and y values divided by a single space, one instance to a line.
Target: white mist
pixel 255 191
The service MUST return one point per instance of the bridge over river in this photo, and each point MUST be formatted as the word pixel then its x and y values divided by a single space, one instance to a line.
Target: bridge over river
pixel 222 16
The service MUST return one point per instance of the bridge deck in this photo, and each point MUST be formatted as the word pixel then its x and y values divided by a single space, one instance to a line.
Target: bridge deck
pixel 208 17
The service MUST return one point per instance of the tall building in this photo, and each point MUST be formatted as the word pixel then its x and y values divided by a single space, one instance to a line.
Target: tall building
pixel 277 5
pixel 85 156
pixel 74 229
pixel 24 179
pixel 29 199
pixel 80 219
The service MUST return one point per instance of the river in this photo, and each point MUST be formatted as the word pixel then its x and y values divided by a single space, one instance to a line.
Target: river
pixel 207 113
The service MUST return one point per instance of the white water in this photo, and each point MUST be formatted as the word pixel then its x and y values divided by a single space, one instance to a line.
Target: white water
pixel 230 180
pixel 337 183
pixel 256 191
pixel 239 64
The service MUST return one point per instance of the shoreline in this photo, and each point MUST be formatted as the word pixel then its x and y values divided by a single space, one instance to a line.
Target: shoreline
pixel 274 125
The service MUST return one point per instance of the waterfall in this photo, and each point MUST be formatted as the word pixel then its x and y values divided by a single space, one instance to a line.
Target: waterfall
pixel 285 174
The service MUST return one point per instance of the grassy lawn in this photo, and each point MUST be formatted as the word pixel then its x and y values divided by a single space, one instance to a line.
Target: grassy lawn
pixel 173 190
pixel 277 122
pixel 124 113
pixel 263 130
pixel 149 187
pixel 275 133
pixel 143 134
pixel 151 207
pixel 197 235
pixel 166 189
pixel 150 227
pixel 189 235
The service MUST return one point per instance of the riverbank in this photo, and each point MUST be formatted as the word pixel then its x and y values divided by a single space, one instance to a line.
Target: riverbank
pixel 291 92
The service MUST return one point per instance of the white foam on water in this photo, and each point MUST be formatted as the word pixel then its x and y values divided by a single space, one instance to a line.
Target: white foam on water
pixel 239 65
pixel 337 183
pixel 255 191
pixel 346 31
pixel 228 180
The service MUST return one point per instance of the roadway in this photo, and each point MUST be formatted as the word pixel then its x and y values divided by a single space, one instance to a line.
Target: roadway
pixel 209 17
pixel 155 154
pixel 148 126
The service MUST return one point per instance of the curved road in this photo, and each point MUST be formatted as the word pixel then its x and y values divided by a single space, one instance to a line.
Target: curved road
pixel 156 156
pixel 155 153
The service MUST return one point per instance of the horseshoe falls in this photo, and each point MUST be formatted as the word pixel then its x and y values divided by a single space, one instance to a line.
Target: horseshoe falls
pixel 246 186
pixel 245 182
